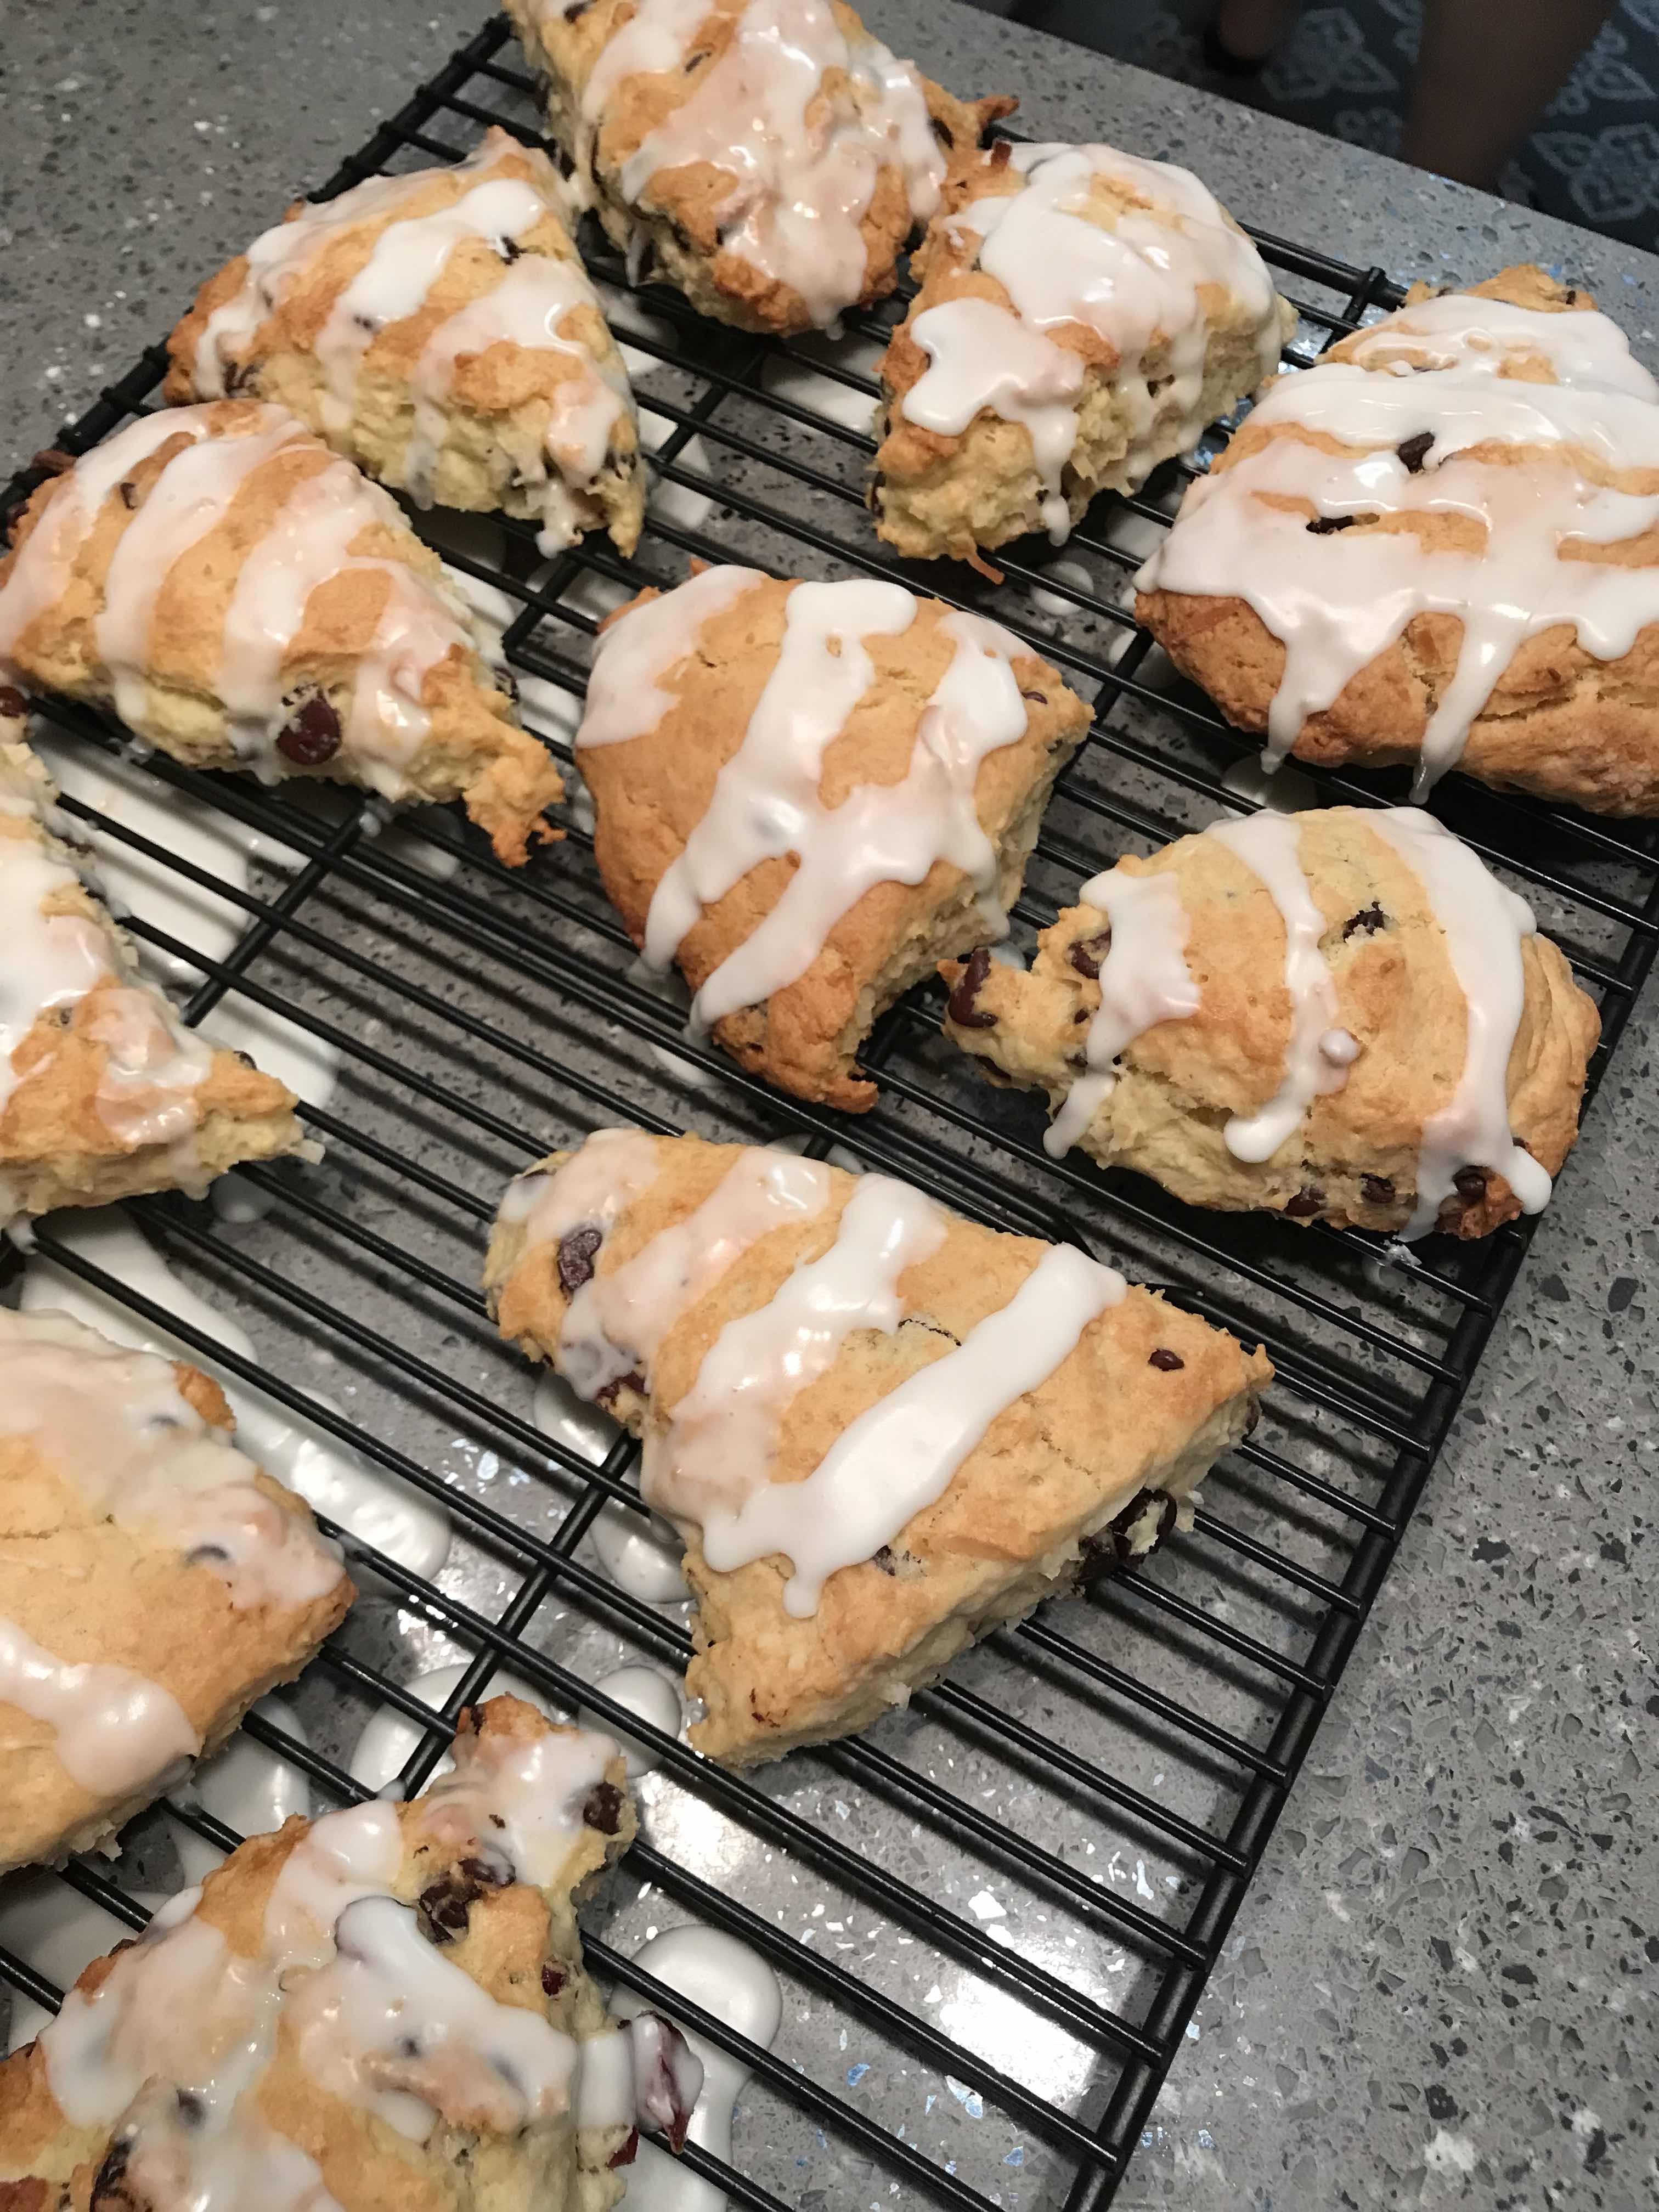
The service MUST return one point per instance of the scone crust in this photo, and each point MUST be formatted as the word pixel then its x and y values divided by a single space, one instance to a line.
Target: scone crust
pixel 935 494
pixel 510 1935
pixel 56 1147
pixel 1012 1528
pixel 650 794
pixel 473 750
pixel 92 1592
pixel 1354 1159
pixel 1560 723
pixel 676 225
pixel 495 454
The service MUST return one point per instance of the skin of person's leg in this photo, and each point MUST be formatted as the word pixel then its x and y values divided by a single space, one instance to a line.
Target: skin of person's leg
pixel 1486 72
pixel 1252 29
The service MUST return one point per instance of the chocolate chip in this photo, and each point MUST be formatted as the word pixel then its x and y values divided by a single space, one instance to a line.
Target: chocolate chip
pixel 312 736
pixel 1037 698
pixel 237 377
pixel 509 249
pixel 1378 1190
pixel 1088 952
pixel 576 1259
pixel 1111 1547
pixel 368 323
pixel 107 2192
pixel 192 2110
pixel 12 701
pixel 1306 1203
pixel 884 1560
pixel 602 1808
pixel 1414 451
pixel 960 1005
pixel 607 1397
pixel 1470 1183
pixel 1079 1061
pixel 1081 1015
pixel 486 1873
pixel 942 131
pixel 1326 526
pixel 205 1554
pixel 1165 1361
pixel 1368 918
pixel 129 492
pixel 443 1910
pixel 248 1060
pixel 1572 296
pixel 554 1977
pixel 408 2047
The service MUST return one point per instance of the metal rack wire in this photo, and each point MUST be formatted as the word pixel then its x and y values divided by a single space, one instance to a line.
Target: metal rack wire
pixel 1113 1767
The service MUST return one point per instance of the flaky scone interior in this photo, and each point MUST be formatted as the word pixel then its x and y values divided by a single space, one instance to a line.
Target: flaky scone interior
pixel 243 598
pixel 806 792
pixel 154 1583
pixel 1340 1015
pixel 882 1429
pixel 770 158
pixel 1082 315
pixel 104 1093
pixel 384 2006
pixel 437 328
pixel 1438 547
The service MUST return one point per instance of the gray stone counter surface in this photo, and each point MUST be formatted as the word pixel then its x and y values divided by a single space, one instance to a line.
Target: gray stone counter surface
pixel 1441 1988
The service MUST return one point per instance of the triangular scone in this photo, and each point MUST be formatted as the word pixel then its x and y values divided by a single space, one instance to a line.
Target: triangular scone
pixel 1438 546
pixel 804 792
pixel 770 157
pixel 245 599
pixel 103 1091
pixel 1338 1015
pixel 385 2008
pixel 1084 314
pixel 154 1583
pixel 882 1429
pixel 438 330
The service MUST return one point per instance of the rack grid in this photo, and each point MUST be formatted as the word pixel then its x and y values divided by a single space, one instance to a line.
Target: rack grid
pixel 1033 1869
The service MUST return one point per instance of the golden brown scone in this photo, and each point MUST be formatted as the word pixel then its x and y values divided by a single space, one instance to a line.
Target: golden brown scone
pixel 1475 452
pixel 807 795
pixel 651 1270
pixel 489 381
pixel 154 1583
pixel 103 1092
pixel 686 132
pixel 411 1980
pixel 1082 315
pixel 1391 1148
pixel 243 598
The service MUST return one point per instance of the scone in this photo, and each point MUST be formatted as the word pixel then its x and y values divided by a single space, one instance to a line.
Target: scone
pixel 385 2008
pixel 1440 546
pixel 104 1093
pixel 1337 1015
pixel 770 157
pixel 152 1583
pixel 807 795
pixel 1082 315
pixel 245 599
pixel 438 330
pixel 882 1429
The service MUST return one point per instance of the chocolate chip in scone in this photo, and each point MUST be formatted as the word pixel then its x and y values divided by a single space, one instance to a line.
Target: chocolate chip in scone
pixel 607 1397
pixel 602 1808
pixel 1368 918
pixel 1306 1203
pixel 129 492
pixel 1413 452
pixel 1572 295
pixel 443 1910
pixel 960 1005
pixel 1081 1015
pixel 1086 955
pixel 554 1977
pixel 1326 526
pixel 109 2193
pixel 1037 698
pixel 1376 1190
pixel 942 131
pixel 192 2110
pixel 1470 1183
pixel 313 735
pixel 1165 1360
pixel 12 701
pixel 576 1261
pixel 509 249
pixel 884 1560
pixel 204 1555
pixel 1112 1546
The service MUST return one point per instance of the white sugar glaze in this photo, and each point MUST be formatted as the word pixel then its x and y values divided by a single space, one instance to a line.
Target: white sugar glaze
pixel 1496 338
pixel 1134 284
pixel 1143 979
pixel 1337 599
pixel 114 1428
pixel 328 1475
pixel 113 1730
pixel 625 695
pixel 525 1794
pixel 59 1933
pixel 799 188
pixel 1269 845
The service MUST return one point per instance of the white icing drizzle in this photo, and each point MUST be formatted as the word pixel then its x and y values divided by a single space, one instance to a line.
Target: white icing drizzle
pixel 798 190
pixel 1133 284
pixel 765 802
pixel 1269 846
pixel 617 1320
pixel 1335 600
pixel 606 1173
pixel 345 1857
pixel 720 1441
pixel 390 1738
pixel 113 1730
pixel 113 1427
pixel 1143 979
pixel 642 1554
pixel 899 1455
pixel 1484 923
pixel 640 647
pixel 525 1792
pixel 1495 337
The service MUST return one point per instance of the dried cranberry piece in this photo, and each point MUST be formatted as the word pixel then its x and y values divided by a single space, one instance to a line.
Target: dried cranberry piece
pixel 576 1259
pixel 312 736
pixel 1414 451
pixel 602 1808
pixel 554 1977
pixel 1470 1183
pixel 1088 952
pixel 1326 526
pixel 1165 1361
pixel 1378 1190
pixel 12 701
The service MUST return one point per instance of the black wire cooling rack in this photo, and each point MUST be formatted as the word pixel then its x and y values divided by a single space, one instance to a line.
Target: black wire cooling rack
pixel 991 1915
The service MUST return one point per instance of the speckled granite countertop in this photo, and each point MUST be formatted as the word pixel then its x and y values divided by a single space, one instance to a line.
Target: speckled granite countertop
pixel 1441 1988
